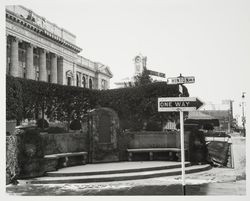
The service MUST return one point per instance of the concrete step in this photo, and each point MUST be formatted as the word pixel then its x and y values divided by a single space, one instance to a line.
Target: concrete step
pixel 117 176
pixel 92 169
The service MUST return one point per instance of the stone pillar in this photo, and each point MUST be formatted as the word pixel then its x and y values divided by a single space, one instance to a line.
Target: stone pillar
pixel 14 64
pixel 42 65
pixel 60 70
pixel 53 71
pixel 30 73
pixel 98 81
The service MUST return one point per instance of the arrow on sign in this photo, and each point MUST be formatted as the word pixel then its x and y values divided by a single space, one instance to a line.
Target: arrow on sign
pixel 178 104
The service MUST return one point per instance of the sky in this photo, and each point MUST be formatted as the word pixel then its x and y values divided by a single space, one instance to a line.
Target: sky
pixel 208 39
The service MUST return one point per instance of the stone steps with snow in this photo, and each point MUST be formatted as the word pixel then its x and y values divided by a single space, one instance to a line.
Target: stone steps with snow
pixel 117 176
pixel 113 168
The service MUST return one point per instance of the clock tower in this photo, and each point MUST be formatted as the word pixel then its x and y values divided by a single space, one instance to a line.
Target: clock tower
pixel 140 63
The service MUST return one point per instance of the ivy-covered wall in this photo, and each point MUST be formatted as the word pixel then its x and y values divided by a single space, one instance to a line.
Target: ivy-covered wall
pixel 12 168
pixel 134 105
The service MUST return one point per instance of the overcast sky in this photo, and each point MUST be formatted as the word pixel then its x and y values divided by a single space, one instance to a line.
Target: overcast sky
pixel 203 38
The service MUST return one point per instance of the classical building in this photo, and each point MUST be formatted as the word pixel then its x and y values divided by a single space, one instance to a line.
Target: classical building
pixel 40 50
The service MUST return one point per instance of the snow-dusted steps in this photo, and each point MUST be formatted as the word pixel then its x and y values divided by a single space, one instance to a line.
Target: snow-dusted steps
pixel 119 171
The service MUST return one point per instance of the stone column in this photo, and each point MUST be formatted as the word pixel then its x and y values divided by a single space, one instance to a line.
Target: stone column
pixel 14 64
pixel 30 73
pixel 60 70
pixel 53 71
pixel 42 65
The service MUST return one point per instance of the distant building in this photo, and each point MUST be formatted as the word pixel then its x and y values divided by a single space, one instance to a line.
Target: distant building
pixel 222 116
pixel 40 50
pixel 140 62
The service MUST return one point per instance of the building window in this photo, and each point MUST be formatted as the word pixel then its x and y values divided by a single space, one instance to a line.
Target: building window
pixel 36 64
pixel 69 81
pixel 37 74
pixel 49 78
pixel 77 80
pixel 22 58
pixel 69 76
pixel 48 65
pixel 83 81
pixel 8 57
pixel 90 83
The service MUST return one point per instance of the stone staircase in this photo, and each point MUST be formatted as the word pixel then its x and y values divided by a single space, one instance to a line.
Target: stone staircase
pixel 116 172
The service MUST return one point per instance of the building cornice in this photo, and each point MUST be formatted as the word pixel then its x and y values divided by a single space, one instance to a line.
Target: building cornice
pixel 109 74
pixel 34 27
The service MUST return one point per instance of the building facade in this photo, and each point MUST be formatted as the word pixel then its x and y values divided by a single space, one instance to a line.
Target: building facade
pixel 40 50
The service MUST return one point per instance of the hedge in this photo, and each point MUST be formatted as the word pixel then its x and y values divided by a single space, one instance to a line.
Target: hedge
pixel 134 105
pixel 55 100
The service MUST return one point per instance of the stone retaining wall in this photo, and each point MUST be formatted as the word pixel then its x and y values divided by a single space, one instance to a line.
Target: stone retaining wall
pixel 64 142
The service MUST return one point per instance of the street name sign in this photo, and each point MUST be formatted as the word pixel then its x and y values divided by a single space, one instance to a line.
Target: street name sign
pixel 158 74
pixel 169 104
pixel 181 80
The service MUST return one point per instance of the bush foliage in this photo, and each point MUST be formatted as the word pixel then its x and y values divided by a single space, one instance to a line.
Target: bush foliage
pixel 134 105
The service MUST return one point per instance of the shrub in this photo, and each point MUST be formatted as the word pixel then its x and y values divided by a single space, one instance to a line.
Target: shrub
pixel 42 123
pixel 75 124
pixel 14 102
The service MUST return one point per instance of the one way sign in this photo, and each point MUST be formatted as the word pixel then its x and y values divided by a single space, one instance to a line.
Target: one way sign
pixel 178 104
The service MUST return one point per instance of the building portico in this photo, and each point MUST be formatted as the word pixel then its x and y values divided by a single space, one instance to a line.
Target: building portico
pixel 39 50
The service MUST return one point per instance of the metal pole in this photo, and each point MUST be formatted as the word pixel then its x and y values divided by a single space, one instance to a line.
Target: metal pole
pixel 243 115
pixel 182 153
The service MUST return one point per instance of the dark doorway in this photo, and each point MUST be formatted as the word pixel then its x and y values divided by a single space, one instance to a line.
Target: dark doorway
pixel 104 129
pixel 69 81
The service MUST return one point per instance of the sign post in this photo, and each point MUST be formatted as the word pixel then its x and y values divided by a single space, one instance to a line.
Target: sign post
pixel 182 153
pixel 180 104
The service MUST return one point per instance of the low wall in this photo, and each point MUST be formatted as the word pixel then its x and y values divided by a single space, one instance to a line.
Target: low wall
pixel 64 142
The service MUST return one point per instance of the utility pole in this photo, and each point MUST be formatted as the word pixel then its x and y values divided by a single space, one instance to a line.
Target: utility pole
pixel 243 114
pixel 230 114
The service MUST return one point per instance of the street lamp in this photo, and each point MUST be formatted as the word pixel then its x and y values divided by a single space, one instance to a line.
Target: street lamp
pixel 243 114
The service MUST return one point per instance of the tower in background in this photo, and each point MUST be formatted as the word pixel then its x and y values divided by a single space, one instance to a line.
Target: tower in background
pixel 140 63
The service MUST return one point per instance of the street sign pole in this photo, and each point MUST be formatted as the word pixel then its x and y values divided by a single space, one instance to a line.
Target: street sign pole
pixel 180 104
pixel 182 153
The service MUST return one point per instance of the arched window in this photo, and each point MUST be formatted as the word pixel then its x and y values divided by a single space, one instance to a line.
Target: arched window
pixel 90 83
pixel 69 76
pixel 83 81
